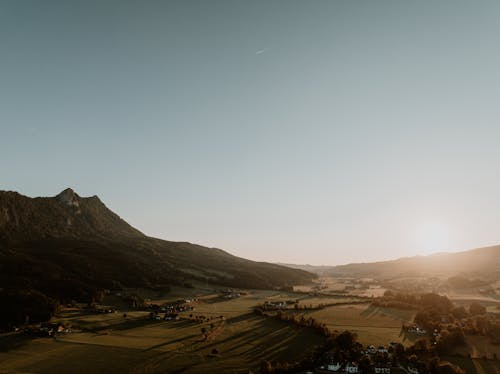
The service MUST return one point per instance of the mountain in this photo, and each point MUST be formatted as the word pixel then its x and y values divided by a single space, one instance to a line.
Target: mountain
pixel 63 216
pixel 69 247
pixel 481 262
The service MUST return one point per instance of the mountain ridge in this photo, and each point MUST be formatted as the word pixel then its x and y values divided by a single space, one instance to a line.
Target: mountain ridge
pixel 64 215
pixel 484 260
pixel 67 247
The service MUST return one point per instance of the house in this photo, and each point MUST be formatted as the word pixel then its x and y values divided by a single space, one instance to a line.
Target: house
pixel 333 367
pixel 371 350
pixel 417 330
pixel 382 349
pixel 351 368
pixel 171 316
pixel 382 370
pixel 275 305
pixel 412 370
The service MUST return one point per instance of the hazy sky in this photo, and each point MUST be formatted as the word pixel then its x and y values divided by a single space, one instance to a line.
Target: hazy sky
pixel 318 132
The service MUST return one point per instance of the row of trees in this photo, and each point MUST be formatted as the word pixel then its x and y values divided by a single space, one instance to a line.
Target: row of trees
pixel 25 306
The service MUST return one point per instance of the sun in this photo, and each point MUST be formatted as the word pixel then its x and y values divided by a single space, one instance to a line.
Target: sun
pixel 433 237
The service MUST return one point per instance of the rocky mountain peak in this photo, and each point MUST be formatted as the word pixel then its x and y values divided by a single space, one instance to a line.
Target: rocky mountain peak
pixel 68 197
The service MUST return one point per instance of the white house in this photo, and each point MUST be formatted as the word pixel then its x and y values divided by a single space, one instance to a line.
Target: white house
pixel 371 350
pixel 412 370
pixel 382 349
pixel 333 367
pixel 351 368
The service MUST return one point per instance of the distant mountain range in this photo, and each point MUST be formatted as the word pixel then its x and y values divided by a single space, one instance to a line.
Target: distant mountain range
pixel 478 262
pixel 71 247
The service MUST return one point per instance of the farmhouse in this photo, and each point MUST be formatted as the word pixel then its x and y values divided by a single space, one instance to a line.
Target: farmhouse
pixel 330 368
pixel 371 350
pixel 382 349
pixel 171 316
pixel 334 367
pixel 351 368
pixel 275 305
pixel 417 330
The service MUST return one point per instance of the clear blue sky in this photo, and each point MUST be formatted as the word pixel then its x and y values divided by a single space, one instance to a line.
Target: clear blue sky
pixel 316 132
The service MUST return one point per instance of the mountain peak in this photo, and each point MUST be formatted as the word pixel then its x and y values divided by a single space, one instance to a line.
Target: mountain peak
pixel 68 197
pixel 66 215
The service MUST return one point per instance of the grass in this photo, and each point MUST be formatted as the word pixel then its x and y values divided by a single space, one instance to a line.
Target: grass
pixel 478 347
pixel 373 325
pixel 475 365
pixel 112 343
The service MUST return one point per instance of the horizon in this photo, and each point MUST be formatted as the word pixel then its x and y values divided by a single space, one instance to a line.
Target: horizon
pixel 321 133
pixel 280 262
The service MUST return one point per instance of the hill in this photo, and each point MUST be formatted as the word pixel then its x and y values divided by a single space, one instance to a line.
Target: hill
pixel 481 262
pixel 62 248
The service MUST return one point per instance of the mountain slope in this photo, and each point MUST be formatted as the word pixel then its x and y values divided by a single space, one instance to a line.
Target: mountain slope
pixel 68 247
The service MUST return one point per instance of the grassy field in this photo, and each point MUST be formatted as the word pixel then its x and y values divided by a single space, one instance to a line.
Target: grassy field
pixel 112 343
pixel 373 325
pixel 236 339
pixel 475 365
pixel 478 347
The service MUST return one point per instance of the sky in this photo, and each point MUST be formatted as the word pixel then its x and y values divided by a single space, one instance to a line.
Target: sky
pixel 320 132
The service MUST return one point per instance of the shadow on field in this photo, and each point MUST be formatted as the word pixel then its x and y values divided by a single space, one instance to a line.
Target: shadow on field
pixel 241 318
pixel 266 339
pixel 183 338
pixel 216 300
pixel 371 311
pixel 12 341
pixel 123 325
pixel 180 324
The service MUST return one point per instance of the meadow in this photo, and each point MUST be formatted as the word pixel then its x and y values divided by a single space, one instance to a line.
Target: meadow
pixel 220 335
pixel 132 344
pixel 373 325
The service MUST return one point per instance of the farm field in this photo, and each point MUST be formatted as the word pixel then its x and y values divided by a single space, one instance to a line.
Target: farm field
pixel 373 325
pixel 478 347
pixel 475 365
pixel 104 343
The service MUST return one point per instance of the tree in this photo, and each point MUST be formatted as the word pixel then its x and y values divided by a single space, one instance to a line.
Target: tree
pixel 346 340
pixel 476 309
pixel 459 312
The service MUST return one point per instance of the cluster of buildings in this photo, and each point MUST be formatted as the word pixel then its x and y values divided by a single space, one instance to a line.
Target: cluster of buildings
pixel 275 305
pixel 353 368
pixel 417 330
pixel 230 294
pixel 177 307
pixel 52 329
pixel 376 367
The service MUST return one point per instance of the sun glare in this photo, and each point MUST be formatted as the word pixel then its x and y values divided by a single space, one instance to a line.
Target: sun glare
pixel 433 237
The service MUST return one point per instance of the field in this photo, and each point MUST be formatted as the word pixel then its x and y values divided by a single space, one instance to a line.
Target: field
pixel 234 338
pixel 373 325
pixel 478 347
pixel 475 365
pixel 104 343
